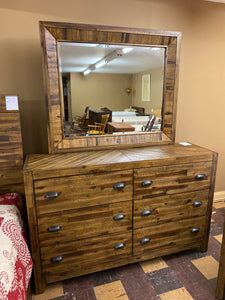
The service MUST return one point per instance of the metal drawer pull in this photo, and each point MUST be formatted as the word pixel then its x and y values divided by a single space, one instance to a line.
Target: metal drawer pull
pixel 119 217
pixel 200 177
pixel 146 212
pixel 145 240
pixel 146 183
pixel 54 228
pixel 57 259
pixel 197 203
pixel 119 186
pixel 52 195
pixel 195 230
pixel 119 246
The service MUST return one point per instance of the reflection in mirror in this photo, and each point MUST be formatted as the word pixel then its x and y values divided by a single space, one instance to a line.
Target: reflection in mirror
pixel 111 89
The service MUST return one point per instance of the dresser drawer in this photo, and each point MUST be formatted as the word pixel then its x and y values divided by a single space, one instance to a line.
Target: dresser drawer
pixel 170 208
pixel 85 222
pixel 64 193
pixel 173 234
pixel 78 255
pixel 173 179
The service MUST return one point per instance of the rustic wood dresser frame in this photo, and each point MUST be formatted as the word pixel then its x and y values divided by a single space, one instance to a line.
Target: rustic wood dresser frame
pixel 135 197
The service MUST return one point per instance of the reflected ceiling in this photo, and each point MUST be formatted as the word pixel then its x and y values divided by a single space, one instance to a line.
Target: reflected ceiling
pixel 74 57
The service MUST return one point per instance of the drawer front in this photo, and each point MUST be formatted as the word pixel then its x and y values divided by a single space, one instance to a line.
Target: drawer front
pixel 174 179
pixel 169 208
pixel 64 193
pixel 85 222
pixel 82 254
pixel 174 234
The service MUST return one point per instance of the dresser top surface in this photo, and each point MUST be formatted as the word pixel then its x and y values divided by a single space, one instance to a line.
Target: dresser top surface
pixel 130 158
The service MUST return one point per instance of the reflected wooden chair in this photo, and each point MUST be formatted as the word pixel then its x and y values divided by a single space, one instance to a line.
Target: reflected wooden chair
pixel 148 127
pixel 79 121
pixel 99 128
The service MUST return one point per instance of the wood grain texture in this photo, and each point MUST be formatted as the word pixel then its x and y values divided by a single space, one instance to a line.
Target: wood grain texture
pixel 56 165
pixel 82 191
pixel 170 208
pixel 87 203
pixel 33 230
pixel 85 222
pixel 52 33
pixel 78 255
pixel 164 236
pixel 173 179
pixel 11 150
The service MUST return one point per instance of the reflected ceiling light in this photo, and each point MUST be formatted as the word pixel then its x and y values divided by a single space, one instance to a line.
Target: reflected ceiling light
pixel 126 50
pixel 115 54
pixel 87 71
pixel 100 63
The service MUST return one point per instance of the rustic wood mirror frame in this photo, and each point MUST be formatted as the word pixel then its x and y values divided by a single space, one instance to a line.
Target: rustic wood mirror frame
pixel 54 32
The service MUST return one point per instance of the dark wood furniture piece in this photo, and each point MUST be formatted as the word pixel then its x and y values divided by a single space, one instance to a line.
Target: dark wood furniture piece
pixel 220 287
pixel 11 150
pixel 140 110
pixel 93 210
pixel 119 127
pixel 95 115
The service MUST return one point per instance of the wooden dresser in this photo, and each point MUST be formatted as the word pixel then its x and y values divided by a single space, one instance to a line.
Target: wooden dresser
pixel 11 150
pixel 93 210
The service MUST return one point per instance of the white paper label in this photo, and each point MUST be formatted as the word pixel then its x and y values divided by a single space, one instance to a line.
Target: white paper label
pixel 185 144
pixel 11 103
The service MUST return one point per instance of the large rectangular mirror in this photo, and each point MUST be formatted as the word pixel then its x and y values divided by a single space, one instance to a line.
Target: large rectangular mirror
pixel 109 87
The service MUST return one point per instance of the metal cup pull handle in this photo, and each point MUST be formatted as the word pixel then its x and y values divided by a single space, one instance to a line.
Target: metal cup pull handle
pixel 57 259
pixel 119 246
pixel 146 212
pixel 54 228
pixel 145 240
pixel 146 183
pixel 118 217
pixel 195 230
pixel 52 195
pixel 197 203
pixel 200 177
pixel 119 186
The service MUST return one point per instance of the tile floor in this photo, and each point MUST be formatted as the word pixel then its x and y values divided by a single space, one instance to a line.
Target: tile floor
pixel 184 276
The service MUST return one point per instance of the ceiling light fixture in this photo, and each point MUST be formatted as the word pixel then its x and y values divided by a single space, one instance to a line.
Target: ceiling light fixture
pixel 115 54
pixel 100 63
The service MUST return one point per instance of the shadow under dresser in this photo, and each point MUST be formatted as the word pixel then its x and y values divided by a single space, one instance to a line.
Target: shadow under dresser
pixel 93 210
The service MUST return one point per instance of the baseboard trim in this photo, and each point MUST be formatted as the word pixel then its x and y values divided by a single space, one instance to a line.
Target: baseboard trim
pixel 219 196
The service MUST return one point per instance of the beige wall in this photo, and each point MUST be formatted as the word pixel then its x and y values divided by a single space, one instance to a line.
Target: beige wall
pixel 98 90
pixel 201 105
pixel 156 90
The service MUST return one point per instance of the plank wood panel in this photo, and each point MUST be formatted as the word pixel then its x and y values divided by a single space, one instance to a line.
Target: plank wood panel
pixel 11 150
pixel 82 191
pixel 172 179
pixel 79 254
pixel 33 230
pixel 169 234
pixel 121 262
pixel 169 208
pixel 54 165
pixel 85 222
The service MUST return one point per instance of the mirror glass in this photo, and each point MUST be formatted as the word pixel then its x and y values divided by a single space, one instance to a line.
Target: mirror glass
pixel 111 89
